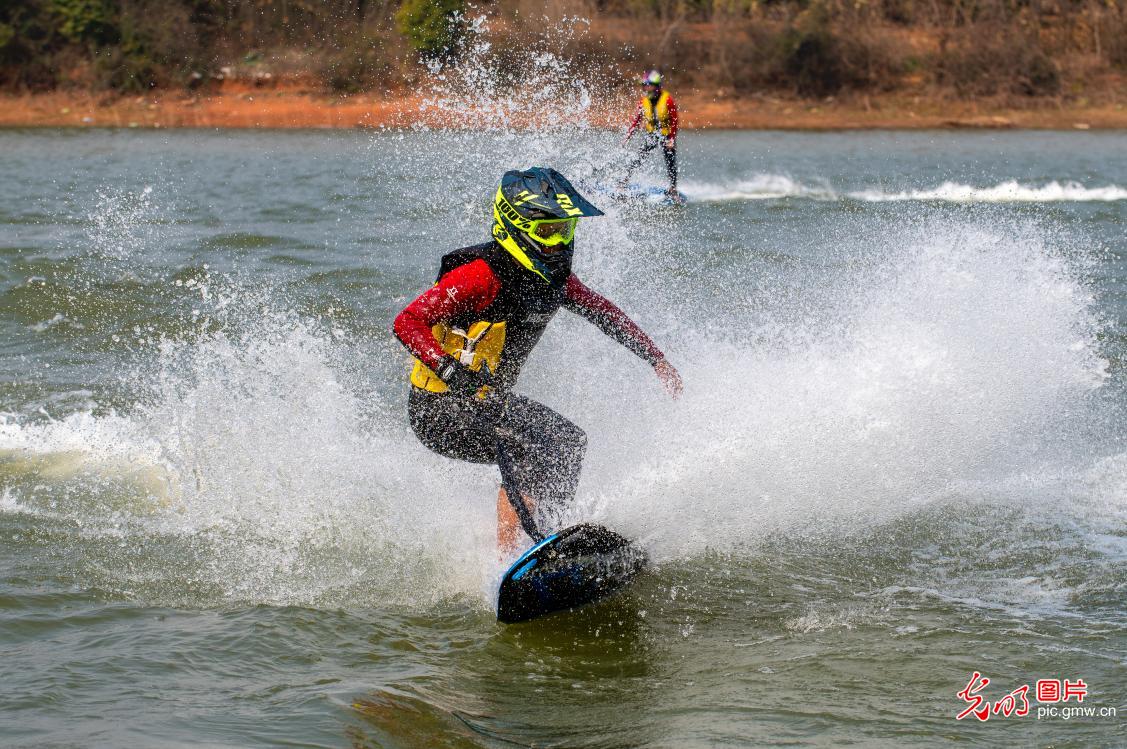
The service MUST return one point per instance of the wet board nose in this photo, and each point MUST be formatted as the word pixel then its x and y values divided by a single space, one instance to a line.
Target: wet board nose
pixel 570 568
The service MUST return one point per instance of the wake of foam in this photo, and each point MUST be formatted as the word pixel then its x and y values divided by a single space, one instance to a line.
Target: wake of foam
pixel 759 187
pixel 776 187
pixel 1005 192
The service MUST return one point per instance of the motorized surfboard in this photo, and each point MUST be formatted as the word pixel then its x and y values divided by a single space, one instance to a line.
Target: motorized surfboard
pixel 578 565
pixel 641 194
pixel 653 195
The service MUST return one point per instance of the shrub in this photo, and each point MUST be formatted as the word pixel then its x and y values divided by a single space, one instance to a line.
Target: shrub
pixel 27 46
pixel 432 26
pixel 126 71
pixel 159 40
pixel 819 62
pixel 1114 30
pixel 356 67
pixel 990 59
pixel 809 53
pixel 84 21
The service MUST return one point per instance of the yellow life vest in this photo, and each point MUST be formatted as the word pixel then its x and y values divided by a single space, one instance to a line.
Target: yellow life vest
pixel 478 346
pixel 661 120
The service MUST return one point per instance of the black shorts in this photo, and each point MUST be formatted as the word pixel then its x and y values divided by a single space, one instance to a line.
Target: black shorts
pixel 539 452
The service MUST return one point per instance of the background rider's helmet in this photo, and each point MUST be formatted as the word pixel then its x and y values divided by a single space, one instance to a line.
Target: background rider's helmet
pixel 652 78
pixel 535 212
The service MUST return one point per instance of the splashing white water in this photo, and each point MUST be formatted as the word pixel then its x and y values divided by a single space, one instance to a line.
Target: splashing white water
pixel 970 355
pixel 957 361
pixel 482 89
pixel 253 447
pixel 122 222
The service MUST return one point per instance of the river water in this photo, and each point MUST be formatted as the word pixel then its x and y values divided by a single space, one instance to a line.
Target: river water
pixel 899 458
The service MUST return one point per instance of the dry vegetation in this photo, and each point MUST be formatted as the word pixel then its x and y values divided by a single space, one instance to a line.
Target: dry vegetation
pixel 1017 52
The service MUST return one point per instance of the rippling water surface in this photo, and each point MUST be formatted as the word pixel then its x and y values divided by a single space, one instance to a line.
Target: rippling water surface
pixel 899 459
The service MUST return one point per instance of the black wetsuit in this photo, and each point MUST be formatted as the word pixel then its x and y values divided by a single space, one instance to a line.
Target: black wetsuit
pixel 539 452
pixel 649 143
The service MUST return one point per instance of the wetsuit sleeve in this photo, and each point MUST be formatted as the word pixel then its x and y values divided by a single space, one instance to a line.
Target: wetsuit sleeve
pixel 672 107
pixel 635 122
pixel 468 288
pixel 599 310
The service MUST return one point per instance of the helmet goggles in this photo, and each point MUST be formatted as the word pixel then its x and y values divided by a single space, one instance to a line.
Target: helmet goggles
pixel 551 232
pixel 548 232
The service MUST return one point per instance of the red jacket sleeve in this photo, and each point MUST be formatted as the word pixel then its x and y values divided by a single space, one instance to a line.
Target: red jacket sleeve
pixel 635 122
pixel 599 310
pixel 468 288
pixel 672 106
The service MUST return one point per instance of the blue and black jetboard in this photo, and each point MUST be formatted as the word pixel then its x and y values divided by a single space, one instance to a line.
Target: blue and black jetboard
pixel 640 194
pixel 651 195
pixel 569 568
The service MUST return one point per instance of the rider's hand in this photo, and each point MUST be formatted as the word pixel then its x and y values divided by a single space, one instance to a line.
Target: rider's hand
pixel 460 379
pixel 670 144
pixel 670 379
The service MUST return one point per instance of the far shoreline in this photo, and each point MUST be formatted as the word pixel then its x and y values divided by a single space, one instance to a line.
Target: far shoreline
pixel 253 108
